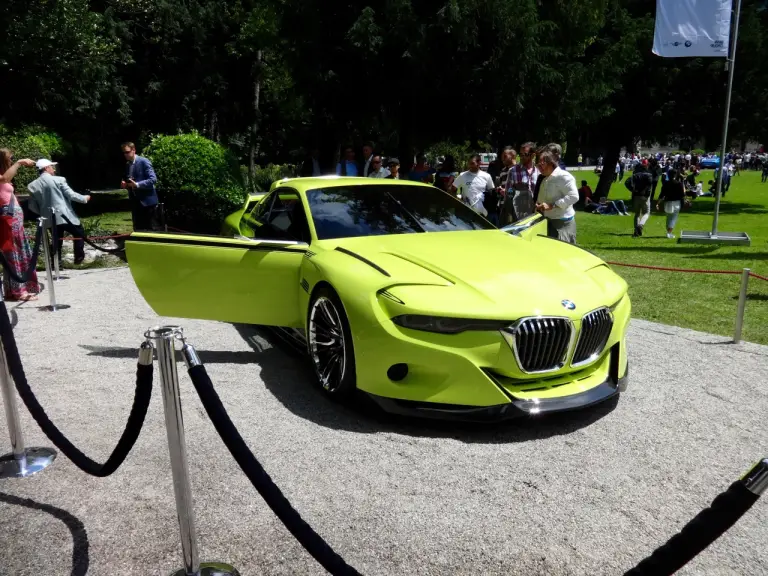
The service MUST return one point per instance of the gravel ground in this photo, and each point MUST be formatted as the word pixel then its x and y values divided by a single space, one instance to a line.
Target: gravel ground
pixel 589 493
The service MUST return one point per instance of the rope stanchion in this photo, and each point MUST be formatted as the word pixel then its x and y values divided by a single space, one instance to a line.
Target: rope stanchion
pixel 273 496
pixel 133 427
pixel 707 526
pixel 55 242
pixel 165 337
pixel 27 274
pixel 21 462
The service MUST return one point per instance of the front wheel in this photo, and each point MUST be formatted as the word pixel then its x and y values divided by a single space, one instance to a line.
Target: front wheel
pixel 329 341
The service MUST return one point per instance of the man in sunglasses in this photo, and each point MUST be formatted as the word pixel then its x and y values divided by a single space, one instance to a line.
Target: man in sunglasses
pixel 140 180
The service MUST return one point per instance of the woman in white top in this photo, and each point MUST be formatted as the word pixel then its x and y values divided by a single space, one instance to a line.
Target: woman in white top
pixel 556 198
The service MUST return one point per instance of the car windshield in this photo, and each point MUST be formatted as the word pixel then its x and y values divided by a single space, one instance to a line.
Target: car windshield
pixel 373 210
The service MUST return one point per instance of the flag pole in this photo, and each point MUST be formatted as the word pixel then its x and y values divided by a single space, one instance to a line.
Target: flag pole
pixel 730 62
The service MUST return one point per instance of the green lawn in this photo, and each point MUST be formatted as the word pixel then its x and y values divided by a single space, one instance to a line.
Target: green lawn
pixel 106 214
pixel 698 301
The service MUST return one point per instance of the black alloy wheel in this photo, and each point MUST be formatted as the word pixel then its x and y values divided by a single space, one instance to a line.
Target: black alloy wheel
pixel 329 342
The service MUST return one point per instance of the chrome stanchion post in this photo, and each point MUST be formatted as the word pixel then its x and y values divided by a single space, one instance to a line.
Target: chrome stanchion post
pixel 48 273
pixel 21 462
pixel 56 247
pixel 165 339
pixel 756 480
pixel 742 305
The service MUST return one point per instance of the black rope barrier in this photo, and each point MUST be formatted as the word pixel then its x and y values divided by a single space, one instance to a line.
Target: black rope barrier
pixel 90 242
pixel 27 274
pixel 129 436
pixel 705 528
pixel 273 496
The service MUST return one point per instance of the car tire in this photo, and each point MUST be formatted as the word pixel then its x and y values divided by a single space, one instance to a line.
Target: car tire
pixel 329 343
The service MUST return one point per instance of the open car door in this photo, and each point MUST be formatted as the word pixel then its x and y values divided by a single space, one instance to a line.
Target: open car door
pixel 239 279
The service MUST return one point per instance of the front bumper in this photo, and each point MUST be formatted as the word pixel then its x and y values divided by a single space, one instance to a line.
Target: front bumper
pixel 517 407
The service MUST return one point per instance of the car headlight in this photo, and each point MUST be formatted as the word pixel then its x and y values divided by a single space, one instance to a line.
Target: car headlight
pixel 443 325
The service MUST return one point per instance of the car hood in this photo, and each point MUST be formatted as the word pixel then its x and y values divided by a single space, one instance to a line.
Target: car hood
pixel 489 273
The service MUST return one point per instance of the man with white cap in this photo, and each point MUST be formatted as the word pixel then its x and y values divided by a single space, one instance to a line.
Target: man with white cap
pixel 51 191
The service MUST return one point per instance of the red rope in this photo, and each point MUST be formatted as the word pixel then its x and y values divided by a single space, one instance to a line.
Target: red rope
pixel 758 276
pixel 675 269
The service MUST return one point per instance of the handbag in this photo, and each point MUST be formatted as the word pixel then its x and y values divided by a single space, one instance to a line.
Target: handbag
pixel 6 225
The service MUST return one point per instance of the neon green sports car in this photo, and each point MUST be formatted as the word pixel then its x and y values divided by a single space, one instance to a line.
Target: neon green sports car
pixel 401 291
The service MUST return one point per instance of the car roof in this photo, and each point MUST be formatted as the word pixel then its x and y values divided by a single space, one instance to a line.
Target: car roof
pixel 312 183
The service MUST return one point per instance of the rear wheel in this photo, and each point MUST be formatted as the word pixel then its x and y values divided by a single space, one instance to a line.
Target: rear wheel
pixel 329 341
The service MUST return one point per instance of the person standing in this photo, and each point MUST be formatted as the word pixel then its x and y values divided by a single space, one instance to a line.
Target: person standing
pixel 446 174
pixel 20 256
pixel 522 179
pixel 140 181
pixel 347 166
pixel 580 159
pixel 311 164
pixel 365 168
pixel 672 196
pixel 377 169
pixel 394 169
pixel 51 191
pixel 506 209
pixel 473 184
pixel 556 198
pixel 640 184
pixel 421 171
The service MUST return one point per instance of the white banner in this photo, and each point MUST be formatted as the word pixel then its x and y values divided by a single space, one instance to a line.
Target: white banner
pixel 692 28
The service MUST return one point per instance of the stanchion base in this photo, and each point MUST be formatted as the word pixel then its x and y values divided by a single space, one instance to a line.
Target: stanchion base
pixel 211 569
pixel 37 459
pixel 55 308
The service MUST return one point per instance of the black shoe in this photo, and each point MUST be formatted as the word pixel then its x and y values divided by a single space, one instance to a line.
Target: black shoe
pixel 639 230
pixel 79 260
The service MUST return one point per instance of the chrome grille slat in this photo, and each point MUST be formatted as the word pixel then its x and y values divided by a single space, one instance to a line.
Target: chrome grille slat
pixel 596 328
pixel 541 344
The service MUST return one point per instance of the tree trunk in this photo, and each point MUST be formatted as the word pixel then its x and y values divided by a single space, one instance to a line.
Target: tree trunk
pixel 256 118
pixel 608 176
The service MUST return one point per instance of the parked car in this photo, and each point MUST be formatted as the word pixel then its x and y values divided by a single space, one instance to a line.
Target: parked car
pixel 399 290
pixel 710 163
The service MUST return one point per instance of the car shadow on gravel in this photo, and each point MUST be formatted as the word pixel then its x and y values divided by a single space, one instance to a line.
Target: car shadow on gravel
pixel 289 376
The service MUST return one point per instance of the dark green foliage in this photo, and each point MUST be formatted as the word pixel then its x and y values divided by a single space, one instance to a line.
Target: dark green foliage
pixel 266 175
pixel 32 142
pixel 198 180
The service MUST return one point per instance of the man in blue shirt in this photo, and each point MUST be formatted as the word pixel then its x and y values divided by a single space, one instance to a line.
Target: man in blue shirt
pixel 347 166
pixel 140 180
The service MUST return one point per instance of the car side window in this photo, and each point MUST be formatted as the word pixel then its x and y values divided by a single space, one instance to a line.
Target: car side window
pixel 285 219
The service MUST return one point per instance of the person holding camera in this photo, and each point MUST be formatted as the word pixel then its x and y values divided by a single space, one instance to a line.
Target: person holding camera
pixel 140 180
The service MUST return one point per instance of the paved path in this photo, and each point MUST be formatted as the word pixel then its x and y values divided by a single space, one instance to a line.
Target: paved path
pixel 585 494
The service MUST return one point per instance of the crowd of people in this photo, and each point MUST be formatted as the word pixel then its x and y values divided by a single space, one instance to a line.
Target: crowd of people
pixel 509 190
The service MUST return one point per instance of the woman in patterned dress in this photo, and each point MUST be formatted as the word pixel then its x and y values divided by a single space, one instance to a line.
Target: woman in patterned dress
pixel 21 254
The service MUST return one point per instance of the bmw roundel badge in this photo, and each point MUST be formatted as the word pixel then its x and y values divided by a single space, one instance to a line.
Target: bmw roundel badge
pixel 568 305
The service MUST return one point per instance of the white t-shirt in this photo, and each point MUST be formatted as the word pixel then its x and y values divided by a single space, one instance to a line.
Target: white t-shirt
pixel 472 187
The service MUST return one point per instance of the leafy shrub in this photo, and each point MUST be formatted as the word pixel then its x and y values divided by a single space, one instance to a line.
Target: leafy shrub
pixel 698 152
pixel 198 180
pixel 460 152
pixel 266 175
pixel 30 142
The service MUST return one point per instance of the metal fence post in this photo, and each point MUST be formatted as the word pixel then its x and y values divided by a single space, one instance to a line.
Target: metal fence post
pixel 55 236
pixel 48 273
pixel 21 462
pixel 165 339
pixel 742 305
